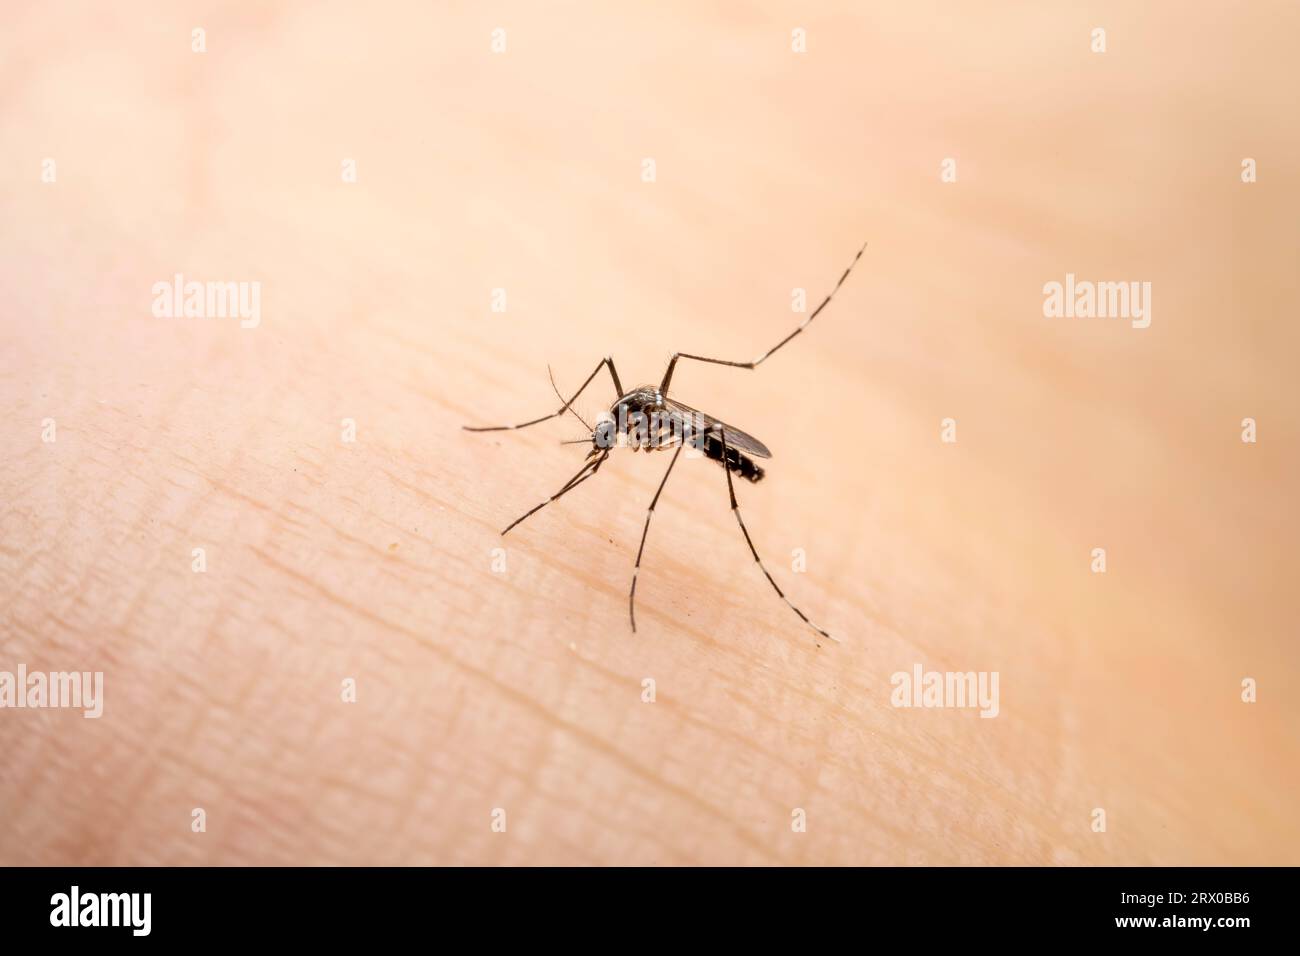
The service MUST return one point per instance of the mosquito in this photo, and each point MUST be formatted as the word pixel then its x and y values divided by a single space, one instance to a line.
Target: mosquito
pixel 646 418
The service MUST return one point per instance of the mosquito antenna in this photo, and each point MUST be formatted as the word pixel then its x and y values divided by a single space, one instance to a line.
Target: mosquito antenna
pixel 566 404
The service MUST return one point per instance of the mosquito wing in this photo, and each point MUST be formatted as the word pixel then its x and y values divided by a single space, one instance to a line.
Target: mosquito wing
pixel 693 420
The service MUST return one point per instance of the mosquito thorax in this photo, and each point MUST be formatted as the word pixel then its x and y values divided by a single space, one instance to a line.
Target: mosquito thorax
pixel 645 399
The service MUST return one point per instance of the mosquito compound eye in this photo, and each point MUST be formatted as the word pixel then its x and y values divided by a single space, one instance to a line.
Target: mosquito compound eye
pixel 604 433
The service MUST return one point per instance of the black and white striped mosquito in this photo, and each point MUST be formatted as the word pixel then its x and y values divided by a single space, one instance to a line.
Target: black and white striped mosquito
pixel 646 418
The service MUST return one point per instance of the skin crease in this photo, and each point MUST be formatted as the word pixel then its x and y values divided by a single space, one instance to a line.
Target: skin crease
pixel 372 560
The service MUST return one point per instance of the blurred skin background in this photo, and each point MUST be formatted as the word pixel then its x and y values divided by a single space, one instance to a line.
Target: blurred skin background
pixel 522 691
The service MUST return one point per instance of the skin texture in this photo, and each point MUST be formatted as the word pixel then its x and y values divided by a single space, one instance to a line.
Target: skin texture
pixel 372 560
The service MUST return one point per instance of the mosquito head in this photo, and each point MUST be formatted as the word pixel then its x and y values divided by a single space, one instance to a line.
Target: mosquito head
pixel 605 435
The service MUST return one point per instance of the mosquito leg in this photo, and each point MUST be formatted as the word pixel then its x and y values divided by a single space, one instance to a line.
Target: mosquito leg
pixel 735 509
pixel 631 598
pixel 672 363
pixel 583 474
pixel 606 362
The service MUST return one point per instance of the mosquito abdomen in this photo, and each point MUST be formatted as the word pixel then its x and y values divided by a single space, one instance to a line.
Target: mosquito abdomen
pixel 739 463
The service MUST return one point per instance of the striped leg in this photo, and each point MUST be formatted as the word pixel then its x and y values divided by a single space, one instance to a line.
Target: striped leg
pixel 672 363
pixel 606 362
pixel 631 598
pixel 735 509
pixel 593 464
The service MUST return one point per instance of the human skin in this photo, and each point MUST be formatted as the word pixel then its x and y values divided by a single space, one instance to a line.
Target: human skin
pixel 522 689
